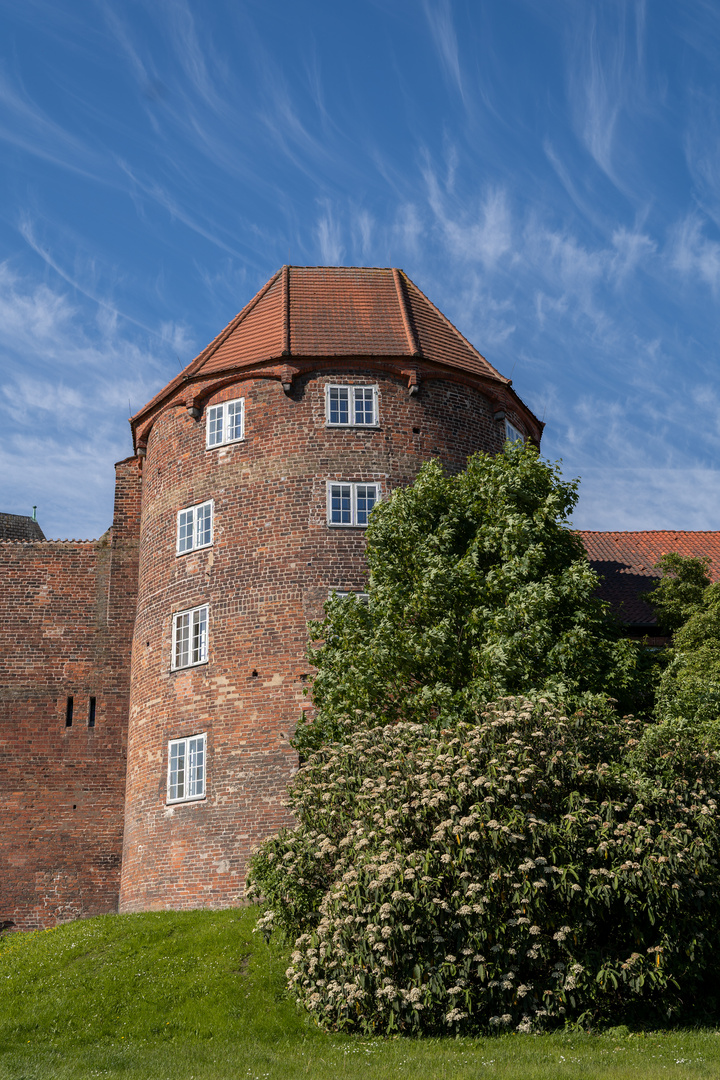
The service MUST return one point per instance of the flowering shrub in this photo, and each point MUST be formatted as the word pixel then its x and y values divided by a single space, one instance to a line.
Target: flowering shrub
pixel 491 874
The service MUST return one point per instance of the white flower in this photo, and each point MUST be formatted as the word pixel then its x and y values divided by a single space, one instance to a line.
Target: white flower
pixel 453 1015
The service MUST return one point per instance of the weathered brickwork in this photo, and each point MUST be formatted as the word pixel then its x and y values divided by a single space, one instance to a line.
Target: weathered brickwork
pixel 66 633
pixel 272 564
pixel 93 621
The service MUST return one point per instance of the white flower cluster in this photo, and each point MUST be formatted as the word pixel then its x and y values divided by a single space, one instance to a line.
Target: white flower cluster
pixel 423 876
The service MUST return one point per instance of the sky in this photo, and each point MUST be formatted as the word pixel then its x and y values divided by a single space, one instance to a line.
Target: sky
pixel 546 171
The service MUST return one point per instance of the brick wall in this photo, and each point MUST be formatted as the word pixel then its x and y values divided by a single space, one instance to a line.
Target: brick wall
pixel 66 632
pixel 273 560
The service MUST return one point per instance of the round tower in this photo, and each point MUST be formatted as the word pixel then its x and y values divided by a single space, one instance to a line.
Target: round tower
pixel 261 462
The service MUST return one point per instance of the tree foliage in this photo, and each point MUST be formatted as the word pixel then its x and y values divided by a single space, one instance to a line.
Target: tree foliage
pixel 509 870
pixel 680 590
pixel 477 589
pixel 689 689
pixel 458 866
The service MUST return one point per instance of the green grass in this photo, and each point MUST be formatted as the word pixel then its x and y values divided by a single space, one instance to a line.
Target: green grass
pixel 195 996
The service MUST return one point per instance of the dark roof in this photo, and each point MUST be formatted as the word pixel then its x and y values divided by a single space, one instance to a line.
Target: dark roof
pixel 626 562
pixel 327 311
pixel 19 527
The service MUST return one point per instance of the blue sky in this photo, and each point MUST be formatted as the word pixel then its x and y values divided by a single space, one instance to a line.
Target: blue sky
pixel 547 171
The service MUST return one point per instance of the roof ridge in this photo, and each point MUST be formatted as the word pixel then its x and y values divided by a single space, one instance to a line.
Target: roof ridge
pixel 405 313
pixel 50 540
pixel 285 272
pixel 444 318
pixel 321 266
pixel 645 532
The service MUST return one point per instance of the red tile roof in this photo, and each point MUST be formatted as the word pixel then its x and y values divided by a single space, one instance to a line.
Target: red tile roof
pixel 326 311
pixel 341 311
pixel 626 563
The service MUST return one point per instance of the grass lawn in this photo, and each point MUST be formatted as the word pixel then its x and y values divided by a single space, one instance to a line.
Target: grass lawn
pixel 194 996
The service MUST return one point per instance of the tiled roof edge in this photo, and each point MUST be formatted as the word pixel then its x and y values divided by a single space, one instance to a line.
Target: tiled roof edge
pixel 45 540
pixel 208 351
pixel 648 532
pixel 501 378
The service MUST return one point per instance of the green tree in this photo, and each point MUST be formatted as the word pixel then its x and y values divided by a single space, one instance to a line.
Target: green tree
pixel 689 688
pixel 688 691
pixel 477 589
pixel 679 591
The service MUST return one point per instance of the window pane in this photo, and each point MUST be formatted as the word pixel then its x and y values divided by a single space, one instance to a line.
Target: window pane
pixel 176 775
pixel 340 508
pixel 366 495
pixel 199 635
pixel 185 530
pixel 215 425
pixel 182 639
pixel 234 420
pixel 364 411
pixel 511 432
pixel 203 525
pixel 196 767
pixel 339 399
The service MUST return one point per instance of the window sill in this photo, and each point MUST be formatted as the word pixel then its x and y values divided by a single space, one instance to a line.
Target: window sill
pixel 192 551
pixel 230 442
pixel 189 667
pixel 343 525
pixel 352 427
pixel 183 802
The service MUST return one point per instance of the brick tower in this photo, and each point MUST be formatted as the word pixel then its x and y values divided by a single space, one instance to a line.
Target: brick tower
pixel 261 462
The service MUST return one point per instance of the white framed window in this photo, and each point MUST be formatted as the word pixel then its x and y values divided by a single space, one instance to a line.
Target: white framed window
pixel 512 434
pixel 186 769
pixel 195 527
pixel 351 406
pixel 363 597
pixel 350 504
pixel 190 637
pixel 225 423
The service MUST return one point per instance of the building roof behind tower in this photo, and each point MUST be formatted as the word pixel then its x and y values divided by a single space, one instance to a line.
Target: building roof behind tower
pixel 20 527
pixel 626 564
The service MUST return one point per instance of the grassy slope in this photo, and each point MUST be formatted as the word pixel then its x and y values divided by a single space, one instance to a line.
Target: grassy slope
pixel 194 996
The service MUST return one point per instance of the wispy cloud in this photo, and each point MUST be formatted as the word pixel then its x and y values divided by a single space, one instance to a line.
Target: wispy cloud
pixel 65 410
pixel 328 234
pixel 692 254
pixel 192 54
pixel 605 76
pixel 546 171
pixel 172 205
pixel 442 29
pixel 26 229
pixel 25 125
pixel 480 233
pixel 648 498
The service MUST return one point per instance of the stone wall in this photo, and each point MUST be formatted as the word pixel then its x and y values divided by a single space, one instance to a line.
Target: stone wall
pixel 66 634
